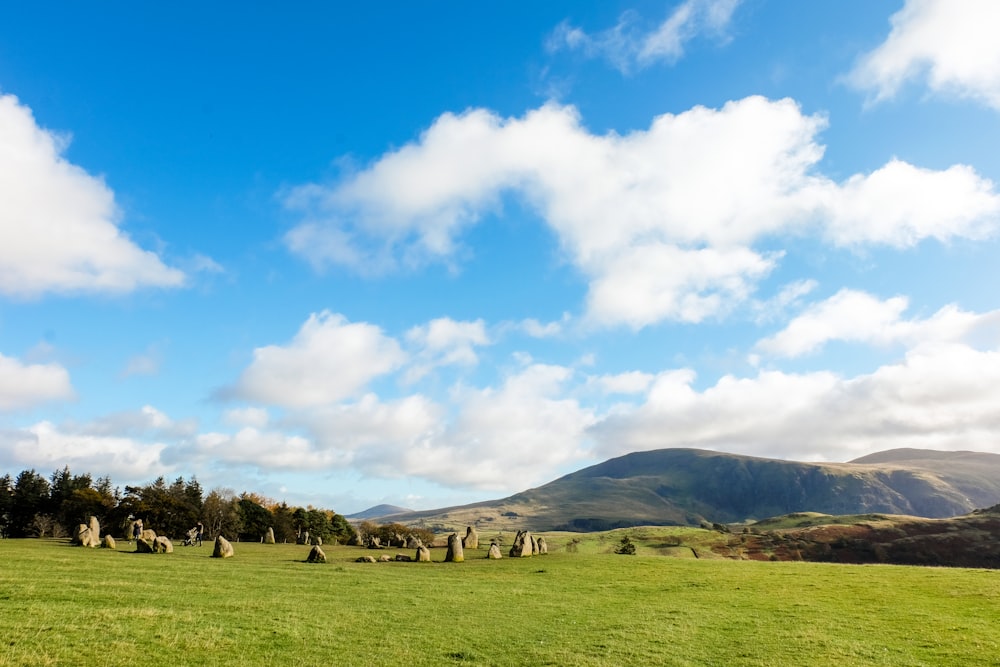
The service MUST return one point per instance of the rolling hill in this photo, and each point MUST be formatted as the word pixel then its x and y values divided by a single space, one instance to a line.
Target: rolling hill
pixel 690 486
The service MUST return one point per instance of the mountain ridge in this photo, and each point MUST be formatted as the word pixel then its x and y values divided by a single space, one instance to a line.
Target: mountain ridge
pixel 680 486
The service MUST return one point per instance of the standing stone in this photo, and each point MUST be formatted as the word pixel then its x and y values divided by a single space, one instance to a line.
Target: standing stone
pixel 109 542
pixel 423 554
pixel 471 539
pixel 223 548
pixel 543 547
pixel 412 542
pixel 316 555
pixel 148 534
pixel 269 536
pixel 522 547
pixel 82 536
pixel 534 545
pixel 455 553
pixel 318 541
pixel 304 537
pixel 163 545
pixel 144 546
pixel 494 552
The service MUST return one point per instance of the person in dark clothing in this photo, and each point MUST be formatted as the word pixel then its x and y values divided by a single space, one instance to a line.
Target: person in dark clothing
pixel 200 528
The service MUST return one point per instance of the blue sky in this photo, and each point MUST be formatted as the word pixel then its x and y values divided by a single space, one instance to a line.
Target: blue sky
pixel 435 254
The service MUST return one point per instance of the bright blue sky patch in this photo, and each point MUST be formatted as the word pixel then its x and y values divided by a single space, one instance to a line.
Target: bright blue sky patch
pixel 429 255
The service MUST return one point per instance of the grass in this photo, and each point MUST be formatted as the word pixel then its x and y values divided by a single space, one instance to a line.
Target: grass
pixel 62 605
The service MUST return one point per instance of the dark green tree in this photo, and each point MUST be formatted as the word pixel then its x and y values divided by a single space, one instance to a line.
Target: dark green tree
pixel 6 503
pixel 30 498
pixel 255 518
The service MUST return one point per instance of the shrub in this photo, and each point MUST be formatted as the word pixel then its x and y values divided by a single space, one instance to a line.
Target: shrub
pixel 625 547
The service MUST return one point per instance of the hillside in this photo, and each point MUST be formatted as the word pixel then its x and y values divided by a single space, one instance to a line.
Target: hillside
pixel 688 486
pixel 377 512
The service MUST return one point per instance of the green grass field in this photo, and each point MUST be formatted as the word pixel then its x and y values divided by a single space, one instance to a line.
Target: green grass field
pixel 65 605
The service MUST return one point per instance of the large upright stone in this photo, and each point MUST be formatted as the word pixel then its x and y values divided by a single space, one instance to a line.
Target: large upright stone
pixel 108 542
pixel 143 546
pixel 269 536
pixel 163 545
pixel 542 545
pixel 148 534
pixel 455 553
pixel 423 554
pixel 223 548
pixel 316 555
pixel 522 547
pixel 95 532
pixel 494 552
pixel 471 539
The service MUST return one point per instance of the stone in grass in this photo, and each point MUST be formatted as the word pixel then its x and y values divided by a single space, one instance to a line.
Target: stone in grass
pixel 403 558
pixel 163 545
pixel 423 554
pixel 269 536
pixel 523 545
pixel 366 559
pixel 223 548
pixel 471 539
pixel 144 546
pixel 543 546
pixel 494 552
pixel 148 534
pixel 384 558
pixel 108 542
pixel 316 555
pixel 455 553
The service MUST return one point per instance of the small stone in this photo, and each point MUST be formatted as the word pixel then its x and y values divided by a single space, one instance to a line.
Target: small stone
pixel 423 554
pixel 316 555
pixel 494 552
pixel 163 545
pixel 108 542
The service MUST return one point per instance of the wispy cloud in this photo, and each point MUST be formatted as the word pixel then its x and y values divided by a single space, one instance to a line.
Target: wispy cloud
pixel 628 46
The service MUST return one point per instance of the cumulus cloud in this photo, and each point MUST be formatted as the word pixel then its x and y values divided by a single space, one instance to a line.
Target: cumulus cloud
pixel 24 386
pixel 498 438
pixel 662 222
pixel 628 46
pixel 631 382
pixel 328 360
pixel 855 316
pixel 949 44
pixel 444 342
pixel 46 446
pixel 939 396
pixel 58 224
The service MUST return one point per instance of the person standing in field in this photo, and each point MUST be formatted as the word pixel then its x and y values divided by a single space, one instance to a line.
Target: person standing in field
pixel 200 529
pixel 136 530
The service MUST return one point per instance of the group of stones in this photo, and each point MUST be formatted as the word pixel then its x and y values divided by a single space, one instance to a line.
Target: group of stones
pixel 147 542
pixel 525 545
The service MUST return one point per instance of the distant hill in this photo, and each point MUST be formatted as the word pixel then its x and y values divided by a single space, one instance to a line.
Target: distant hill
pixel 689 486
pixel 377 512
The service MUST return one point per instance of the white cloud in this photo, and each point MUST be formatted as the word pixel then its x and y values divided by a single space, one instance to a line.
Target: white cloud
pixel 58 224
pixel 147 422
pixel 45 446
pixel 24 386
pixel 627 46
pixel 498 438
pixel 329 359
pixel 444 342
pixel 939 397
pixel 855 316
pixel 951 44
pixel 661 222
pixel 631 382
pixel 255 417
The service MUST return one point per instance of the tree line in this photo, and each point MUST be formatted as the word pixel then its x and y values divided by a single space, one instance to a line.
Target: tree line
pixel 35 506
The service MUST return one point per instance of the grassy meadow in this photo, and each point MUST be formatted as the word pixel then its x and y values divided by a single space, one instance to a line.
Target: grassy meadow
pixel 65 605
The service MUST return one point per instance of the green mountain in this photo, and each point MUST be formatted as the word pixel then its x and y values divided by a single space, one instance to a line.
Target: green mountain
pixel 690 486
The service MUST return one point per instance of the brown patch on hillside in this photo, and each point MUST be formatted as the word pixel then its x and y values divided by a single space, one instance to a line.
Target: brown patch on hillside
pixel 967 541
